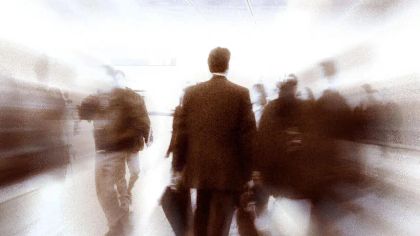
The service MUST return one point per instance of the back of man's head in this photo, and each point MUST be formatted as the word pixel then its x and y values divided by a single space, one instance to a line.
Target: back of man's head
pixel 41 68
pixel 219 60
pixel 289 86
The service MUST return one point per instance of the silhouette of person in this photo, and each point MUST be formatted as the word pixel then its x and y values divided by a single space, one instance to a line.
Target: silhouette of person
pixel 132 159
pixel 279 142
pixel 32 115
pixel 380 120
pixel 333 122
pixel 120 130
pixel 215 141
pixel 49 119
pixel 299 155
pixel 260 100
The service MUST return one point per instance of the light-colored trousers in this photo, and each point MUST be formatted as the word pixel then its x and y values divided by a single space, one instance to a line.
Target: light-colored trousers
pixel 133 164
pixel 111 185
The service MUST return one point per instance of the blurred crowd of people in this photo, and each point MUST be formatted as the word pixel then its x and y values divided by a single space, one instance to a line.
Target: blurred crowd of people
pixel 297 151
pixel 35 121
pixel 234 156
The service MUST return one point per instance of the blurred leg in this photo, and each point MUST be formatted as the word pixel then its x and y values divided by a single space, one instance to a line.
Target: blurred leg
pixel 134 168
pixel 105 178
pixel 121 182
pixel 245 221
pixel 247 211
pixel 186 209
pixel 222 206
pixel 201 216
pixel 262 195
pixel 323 216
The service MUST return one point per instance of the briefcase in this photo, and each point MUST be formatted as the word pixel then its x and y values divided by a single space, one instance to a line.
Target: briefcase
pixel 176 204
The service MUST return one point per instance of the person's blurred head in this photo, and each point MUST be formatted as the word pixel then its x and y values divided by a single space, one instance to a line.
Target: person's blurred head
pixel 41 69
pixel 109 70
pixel 261 94
pixel 288 88
pixel 368 89
pixel 118 77
pixel 219 60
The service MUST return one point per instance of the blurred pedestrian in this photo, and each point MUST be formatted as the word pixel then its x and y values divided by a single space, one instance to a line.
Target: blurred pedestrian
pixel 121 128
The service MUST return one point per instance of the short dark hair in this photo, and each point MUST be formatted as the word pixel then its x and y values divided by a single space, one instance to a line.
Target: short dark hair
pixel 291 82
pixel 219 60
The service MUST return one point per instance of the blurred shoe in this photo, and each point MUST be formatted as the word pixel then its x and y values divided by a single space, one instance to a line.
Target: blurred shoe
pixel 116 230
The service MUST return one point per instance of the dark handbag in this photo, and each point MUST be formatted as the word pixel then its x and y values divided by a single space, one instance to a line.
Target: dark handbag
pixel 176 204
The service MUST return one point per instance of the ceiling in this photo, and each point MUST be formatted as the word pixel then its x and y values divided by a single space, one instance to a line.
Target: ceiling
pixel 286 33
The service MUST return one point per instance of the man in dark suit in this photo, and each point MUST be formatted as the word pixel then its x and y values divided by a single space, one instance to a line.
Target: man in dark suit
pixel 215 142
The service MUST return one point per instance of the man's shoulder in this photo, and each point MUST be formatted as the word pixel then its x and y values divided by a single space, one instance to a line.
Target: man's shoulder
pixel 238 87
pixel 191 88
pixel 126 97
pixel 128 93
pixel 201 87
pixel 131 92
pixel 196 88
pixel 272 105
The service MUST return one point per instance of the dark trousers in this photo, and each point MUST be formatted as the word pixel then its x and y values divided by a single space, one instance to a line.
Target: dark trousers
pixel 245 221
pixel 214 212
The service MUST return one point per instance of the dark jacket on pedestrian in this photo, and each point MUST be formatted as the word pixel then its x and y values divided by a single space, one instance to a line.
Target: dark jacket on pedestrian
pixel 121 120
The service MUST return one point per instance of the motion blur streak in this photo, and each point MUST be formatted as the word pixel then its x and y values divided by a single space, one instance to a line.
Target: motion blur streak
pixel 358 77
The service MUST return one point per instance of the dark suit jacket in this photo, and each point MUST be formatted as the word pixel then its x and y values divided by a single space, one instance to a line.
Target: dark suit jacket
pixel 216 133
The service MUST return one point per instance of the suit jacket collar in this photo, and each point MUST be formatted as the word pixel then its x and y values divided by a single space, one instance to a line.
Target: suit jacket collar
pixel 217 77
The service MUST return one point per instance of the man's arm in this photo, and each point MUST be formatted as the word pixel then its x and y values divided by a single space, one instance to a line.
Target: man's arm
pixel 175 125
pixel 146 122
pixel 138 114
pixel 88 108
pixel 181 136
